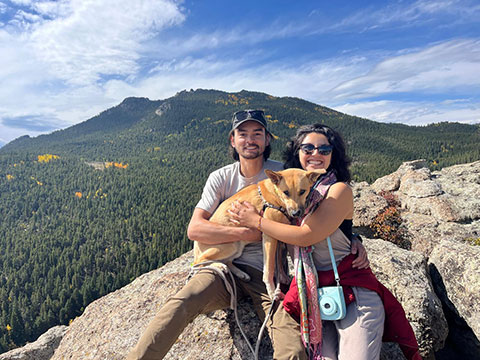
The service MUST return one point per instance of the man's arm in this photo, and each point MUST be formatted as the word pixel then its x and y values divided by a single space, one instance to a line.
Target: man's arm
pixel 202 230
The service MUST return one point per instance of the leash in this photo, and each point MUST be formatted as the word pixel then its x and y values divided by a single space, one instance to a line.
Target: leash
pixel 233 299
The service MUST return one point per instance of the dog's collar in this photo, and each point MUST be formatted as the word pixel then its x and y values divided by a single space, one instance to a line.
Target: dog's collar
pixel 266 204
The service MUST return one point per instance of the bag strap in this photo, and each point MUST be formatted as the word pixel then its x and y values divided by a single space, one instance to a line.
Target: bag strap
pixel 334 265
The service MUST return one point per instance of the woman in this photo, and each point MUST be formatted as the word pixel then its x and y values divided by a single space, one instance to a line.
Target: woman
pixel 359 334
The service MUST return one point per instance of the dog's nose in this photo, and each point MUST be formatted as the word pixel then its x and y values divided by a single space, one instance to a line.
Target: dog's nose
pixel 297 213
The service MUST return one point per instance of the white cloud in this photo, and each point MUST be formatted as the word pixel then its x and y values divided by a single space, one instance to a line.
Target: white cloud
pixel 82 40
pixel 443 67
pixel 411 14
pixel 415 113
pixel 24 16
pixel 22 2
pixel 237 36
pixel 21 75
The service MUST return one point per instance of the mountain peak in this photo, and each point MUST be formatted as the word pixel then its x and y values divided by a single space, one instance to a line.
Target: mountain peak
pixel 133 100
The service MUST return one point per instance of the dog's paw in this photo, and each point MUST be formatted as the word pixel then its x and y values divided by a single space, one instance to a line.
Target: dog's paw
pixel 275 294
pixel 279 295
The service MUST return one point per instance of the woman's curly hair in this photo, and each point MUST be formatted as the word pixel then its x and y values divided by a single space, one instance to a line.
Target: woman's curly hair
pixel 340 161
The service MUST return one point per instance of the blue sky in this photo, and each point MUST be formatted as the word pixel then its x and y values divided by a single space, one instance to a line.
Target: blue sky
pixel 413 62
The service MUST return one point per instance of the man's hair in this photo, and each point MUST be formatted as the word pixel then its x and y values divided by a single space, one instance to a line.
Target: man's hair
pixel 266 152
pixel 340 161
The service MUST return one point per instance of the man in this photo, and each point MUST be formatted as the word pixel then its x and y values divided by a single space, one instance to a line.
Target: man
pixel 206 292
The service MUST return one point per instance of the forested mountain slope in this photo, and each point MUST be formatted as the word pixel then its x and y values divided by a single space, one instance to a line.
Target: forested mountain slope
pixel 87 209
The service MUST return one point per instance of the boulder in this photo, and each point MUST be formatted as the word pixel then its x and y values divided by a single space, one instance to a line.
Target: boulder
pixel 391 182
pixel 452 194
pixel 440 214
pixel 455 267
pixel 455 272
pixel 42 349
pixel 425 231
pixel 434 205
pixel 462 184
pixel 367 204
pixel 441 207
pixel 405 274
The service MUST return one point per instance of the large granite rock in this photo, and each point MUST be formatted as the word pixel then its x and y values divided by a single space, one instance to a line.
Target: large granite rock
pixel 367 204
pixel 392 181
pixel 441 217
pixel 405 274
pixel 456 277
pixel 435 205
pixel 456 272
pixel 42 349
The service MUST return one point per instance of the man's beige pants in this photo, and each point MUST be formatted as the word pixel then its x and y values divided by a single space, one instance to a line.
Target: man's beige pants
pixel 204 293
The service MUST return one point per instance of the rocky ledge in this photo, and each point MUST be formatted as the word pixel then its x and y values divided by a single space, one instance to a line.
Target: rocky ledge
pixel 437 279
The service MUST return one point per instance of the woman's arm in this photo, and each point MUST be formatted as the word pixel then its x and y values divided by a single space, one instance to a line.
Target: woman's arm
pixel 337 206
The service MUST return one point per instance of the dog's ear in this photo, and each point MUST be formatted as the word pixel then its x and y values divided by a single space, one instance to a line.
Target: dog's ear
pixel 315 174
pixel 274 176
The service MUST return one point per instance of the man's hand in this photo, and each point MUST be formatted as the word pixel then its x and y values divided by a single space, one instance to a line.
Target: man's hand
pixel 361 261
pixel 202 230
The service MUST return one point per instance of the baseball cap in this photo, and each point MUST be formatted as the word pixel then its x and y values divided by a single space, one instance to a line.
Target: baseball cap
pixel 248 115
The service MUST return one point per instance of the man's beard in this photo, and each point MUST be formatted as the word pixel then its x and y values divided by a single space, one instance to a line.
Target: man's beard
pixel 251 155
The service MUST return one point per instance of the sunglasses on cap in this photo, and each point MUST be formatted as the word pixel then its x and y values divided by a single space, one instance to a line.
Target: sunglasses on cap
pixel 308 149
pixel 249 114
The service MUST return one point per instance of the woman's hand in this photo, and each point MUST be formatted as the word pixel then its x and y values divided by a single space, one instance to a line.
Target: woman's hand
pixel 361 261
pixel 244 214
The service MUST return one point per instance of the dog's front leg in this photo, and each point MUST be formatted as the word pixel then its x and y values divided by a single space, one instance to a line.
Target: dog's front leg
pixel 269 256
pixel 269 252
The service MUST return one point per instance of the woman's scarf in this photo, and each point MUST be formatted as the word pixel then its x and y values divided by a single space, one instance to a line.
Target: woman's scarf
pixel 306 276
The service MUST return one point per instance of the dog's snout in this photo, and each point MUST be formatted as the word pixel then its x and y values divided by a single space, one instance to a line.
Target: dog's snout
pixel 297 213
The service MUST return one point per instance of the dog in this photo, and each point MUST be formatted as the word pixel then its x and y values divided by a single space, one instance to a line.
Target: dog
pixel 282 197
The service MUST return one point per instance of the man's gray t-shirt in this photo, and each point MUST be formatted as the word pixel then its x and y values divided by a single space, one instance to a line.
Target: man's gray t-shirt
pixel 222 184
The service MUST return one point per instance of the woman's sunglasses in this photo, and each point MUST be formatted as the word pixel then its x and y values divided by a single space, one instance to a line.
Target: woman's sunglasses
pixel 308 149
